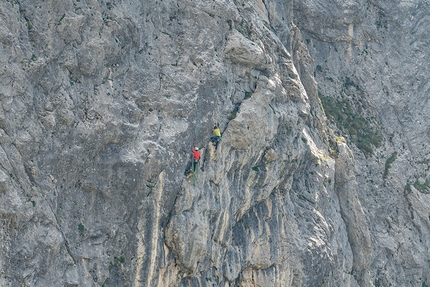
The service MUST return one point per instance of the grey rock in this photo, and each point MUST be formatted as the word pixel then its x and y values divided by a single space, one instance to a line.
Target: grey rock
pixel 4 181
pixel 243 51
pixel 101 102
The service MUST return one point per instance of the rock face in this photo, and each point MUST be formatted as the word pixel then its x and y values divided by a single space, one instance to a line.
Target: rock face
pixel 321 177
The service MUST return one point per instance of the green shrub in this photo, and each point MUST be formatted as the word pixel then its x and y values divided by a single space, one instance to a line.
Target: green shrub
pixel 422 187
pixel 349 83
pixel 388 163
pixel 81 229
pixel 233 113
pixel 120 259
pixel 341 112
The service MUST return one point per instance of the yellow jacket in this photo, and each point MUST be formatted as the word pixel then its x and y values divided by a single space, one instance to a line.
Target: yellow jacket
pixel 217 132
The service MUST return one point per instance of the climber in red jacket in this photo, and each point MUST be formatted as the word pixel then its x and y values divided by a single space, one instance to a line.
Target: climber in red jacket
pixel 196 155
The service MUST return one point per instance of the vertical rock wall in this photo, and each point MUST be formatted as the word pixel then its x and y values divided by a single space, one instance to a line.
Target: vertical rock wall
pixel 101 102
pixel 370 55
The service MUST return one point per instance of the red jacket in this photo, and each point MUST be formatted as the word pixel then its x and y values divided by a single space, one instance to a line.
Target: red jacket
pixel 196 154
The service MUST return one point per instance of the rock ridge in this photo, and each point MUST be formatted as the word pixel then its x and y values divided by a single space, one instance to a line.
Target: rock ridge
pixel 320 179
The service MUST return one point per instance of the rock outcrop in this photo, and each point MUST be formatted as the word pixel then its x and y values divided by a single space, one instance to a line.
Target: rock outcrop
pixel 320 179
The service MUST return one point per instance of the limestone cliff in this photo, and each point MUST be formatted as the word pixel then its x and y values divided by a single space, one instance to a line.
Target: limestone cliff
pixel 321 177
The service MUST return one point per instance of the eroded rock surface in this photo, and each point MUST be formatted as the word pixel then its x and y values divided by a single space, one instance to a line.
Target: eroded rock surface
pixel 320 179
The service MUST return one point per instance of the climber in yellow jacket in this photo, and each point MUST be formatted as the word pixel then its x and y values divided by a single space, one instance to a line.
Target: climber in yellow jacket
pixel 216 136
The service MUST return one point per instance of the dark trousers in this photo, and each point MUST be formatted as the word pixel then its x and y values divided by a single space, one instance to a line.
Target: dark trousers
pixel 215 140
